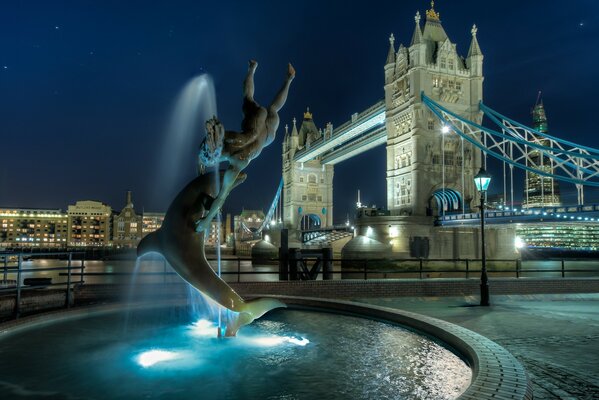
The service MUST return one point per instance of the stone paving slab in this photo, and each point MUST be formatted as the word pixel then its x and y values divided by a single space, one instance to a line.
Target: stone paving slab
pixel 555 337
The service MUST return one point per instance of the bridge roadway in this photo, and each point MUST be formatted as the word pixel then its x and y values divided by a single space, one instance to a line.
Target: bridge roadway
pixel 363 132
pixel 578 214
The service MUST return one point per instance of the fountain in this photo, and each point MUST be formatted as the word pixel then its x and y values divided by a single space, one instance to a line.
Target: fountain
pixel 350 351
pixel 181 238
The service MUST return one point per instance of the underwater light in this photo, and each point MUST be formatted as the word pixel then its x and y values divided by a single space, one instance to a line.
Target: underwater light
pixel 203 327
pixel 149 358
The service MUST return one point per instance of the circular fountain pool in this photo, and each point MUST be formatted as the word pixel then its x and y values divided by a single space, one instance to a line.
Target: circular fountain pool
pixel 287 354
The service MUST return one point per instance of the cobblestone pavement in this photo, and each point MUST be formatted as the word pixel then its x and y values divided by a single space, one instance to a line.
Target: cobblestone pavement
pixel 556 337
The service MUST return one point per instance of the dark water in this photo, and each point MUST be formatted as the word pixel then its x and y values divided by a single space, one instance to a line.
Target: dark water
pixel 345 358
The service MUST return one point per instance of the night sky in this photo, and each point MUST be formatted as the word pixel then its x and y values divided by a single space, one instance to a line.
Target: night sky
pixel 87 87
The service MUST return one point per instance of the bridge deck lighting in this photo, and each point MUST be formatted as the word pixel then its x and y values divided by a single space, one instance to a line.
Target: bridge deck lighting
pixel 445 129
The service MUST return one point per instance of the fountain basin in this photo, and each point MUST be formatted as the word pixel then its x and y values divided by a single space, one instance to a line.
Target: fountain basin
pixel 86 353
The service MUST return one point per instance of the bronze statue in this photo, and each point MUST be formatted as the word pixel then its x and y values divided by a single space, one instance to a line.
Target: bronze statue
pixel 259 127
pixel 181 237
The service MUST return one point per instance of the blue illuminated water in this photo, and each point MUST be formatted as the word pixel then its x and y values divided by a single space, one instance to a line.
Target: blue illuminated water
pixel 288 354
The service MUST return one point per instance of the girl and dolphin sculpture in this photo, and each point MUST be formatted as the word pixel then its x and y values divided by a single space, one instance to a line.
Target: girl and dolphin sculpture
pixel 180 239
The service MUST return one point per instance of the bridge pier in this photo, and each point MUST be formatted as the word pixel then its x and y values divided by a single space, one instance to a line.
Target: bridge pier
pixel 418 237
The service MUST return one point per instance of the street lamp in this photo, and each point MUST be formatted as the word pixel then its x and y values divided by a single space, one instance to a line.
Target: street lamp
pixel 482 180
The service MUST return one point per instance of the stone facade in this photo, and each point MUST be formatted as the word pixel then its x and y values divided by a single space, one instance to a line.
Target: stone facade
pixel 127 226
pixel 308 186
pixel 416 146
pixel 89 224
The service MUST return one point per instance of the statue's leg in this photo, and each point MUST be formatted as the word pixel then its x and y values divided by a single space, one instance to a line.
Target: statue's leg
pixel 281 97
pixel 248 83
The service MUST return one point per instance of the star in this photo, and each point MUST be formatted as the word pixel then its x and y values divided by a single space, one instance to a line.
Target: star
pixel 5 67
pixel 581 24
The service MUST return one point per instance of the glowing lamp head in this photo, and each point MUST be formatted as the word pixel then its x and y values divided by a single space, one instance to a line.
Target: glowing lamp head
pixel 482 180
pixel 445 129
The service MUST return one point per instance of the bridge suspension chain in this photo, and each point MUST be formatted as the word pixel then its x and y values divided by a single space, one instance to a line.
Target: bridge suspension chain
pixel 569 162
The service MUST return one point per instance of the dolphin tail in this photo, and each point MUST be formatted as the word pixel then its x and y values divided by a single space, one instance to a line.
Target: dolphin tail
pixel 150 243
pixel 252 309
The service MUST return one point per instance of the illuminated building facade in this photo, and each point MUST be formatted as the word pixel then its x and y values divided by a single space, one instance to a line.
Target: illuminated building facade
pixel 540 191
pixel 565 236
pixel 127 226
pixel 89 224
pixel 24 227
pixel 151 222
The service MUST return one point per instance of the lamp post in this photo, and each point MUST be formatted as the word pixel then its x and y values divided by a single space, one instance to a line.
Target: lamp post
pixel 482 180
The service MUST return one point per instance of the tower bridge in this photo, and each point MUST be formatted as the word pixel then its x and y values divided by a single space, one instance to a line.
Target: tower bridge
pixel 431 123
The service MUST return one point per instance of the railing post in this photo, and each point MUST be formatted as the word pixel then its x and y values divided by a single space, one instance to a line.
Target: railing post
pixel 82 269
pixel 68 305
pixel 518 267
pixel 6 269
pixel 238 269
pixel 366 269
pixel 327 263
pixel 420 269
pixel 467 268
pixel 18 298
pixel 563 268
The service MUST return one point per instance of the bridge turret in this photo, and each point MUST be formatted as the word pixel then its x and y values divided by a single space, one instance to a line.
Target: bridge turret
pixel 474 62
pixel 390 64
pixel 417 46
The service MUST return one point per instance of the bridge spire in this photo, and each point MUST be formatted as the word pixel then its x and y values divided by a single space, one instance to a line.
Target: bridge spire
pixel 474 47
pixel 417 36
pixel 294 129
pixel 391 53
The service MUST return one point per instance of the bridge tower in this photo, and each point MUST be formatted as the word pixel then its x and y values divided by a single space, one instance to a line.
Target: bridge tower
pixel 429 172
pixel 307 186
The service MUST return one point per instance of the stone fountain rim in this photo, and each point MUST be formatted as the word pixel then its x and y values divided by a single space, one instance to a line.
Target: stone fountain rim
pixel 495 372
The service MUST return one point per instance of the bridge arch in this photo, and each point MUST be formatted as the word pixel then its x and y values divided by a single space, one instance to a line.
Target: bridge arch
pixel 448 200
pixel 310 221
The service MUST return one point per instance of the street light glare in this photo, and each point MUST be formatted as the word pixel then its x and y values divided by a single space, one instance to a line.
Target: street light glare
pixel 445 129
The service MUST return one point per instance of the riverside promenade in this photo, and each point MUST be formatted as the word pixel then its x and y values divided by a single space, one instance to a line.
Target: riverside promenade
pixel 556 337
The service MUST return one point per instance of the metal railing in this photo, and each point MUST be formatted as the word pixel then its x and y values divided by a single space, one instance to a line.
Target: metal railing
pixel 12 263
pixel 365 269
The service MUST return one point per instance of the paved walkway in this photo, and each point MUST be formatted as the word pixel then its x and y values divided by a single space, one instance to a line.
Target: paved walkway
pixel 556 337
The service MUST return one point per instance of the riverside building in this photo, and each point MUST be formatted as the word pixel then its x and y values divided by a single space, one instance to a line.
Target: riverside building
pixel 26 227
